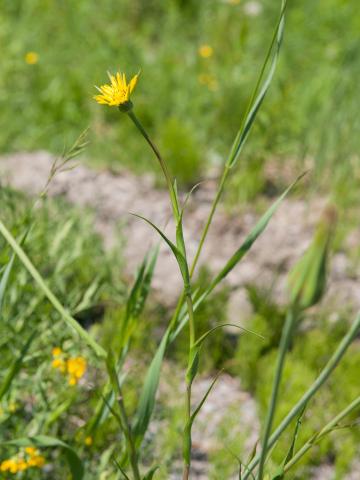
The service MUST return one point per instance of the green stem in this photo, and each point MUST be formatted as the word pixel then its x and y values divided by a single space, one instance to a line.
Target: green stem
pixel 190 308
pixel 283 348
pixel 187 432
pixel 187 286
pixel 125 424
pixel 209 219
pixel 321 379
pixel 326 430
pixel 162 163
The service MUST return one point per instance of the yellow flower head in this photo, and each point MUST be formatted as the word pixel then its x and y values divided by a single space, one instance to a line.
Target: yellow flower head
pixel 88 441
pixel 31 58
pixel 59 364
pixel 31 451
pixel 36 461
pixel 56 352
pixel 118 92
pixel 205 51
pixel 76 368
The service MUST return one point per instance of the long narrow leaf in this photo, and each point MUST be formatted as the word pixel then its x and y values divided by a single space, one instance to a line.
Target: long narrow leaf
pixel 148 393
pixel 181 260
pixel 252 237
pixel 5 278
pixel 258 98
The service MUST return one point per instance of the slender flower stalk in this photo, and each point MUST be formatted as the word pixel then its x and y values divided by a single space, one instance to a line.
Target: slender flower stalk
pixel 187 291
pixel 162 163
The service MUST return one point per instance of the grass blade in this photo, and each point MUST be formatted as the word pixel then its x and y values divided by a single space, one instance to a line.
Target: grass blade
pixel 16 366
pixel 99 351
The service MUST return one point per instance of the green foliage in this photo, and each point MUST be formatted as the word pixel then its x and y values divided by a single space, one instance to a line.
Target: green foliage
pixel 311 350
pixel 319 65
pixel 179 148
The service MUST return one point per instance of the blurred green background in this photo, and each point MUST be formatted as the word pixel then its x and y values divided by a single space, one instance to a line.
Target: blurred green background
pixel 199 62
pixel 191 104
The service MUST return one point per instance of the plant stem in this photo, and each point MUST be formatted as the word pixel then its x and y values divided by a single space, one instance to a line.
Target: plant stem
pixel 283 348
pixel 187 432
pixel 130 441
pixel 327 429
pixel 125 423
pixel 210 218
pixel 321 379
pixel 187 287
pixel 163 165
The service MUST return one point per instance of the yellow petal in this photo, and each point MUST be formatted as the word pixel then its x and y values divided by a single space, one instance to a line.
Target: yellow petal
pixel 133 82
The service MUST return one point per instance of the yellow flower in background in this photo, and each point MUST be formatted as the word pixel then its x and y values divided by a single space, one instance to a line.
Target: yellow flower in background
pixel 208 80
pixel 22 462
pixel 36 461
pixel 31 58
pixel 31 451
pixel 205 51
pixel 88 441
pixel 59 364
pixel 56 352
pixel 76 368
pixel 118 92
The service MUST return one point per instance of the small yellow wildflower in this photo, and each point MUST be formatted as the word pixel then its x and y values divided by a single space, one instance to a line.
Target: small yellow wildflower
pixel 88 441
pixel 36 461
pixel 9 465
pixel 59 364
pixel 205 51
pixel 31 451
pixel 118 93
pixel 5 465
pixel 31 58
pixel 21 464
pixel 76 368
pixel 56 352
